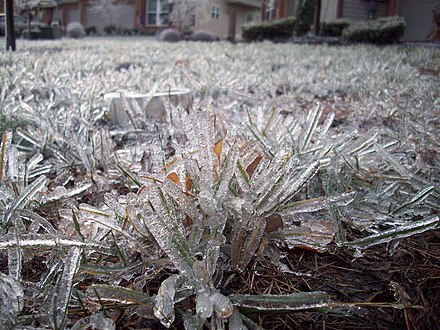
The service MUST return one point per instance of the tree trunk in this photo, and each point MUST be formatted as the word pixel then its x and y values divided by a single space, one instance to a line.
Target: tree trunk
pixel 10 33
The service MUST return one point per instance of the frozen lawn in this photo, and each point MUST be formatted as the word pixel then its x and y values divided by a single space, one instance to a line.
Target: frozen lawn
pixel 287 151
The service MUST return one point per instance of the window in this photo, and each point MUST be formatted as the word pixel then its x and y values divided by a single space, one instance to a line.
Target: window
pixel 215 12
pixel 157 12
pixel 248 18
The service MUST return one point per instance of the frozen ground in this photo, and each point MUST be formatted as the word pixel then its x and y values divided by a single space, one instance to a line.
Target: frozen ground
pixel 287 151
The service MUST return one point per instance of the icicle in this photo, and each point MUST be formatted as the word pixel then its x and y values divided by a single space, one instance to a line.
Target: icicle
pixel 4 151
pixel 164 307
pixel 64 287
pixel 12 172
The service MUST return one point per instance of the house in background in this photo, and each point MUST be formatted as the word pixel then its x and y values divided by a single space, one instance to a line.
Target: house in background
pixel 224 18
pixel 416 13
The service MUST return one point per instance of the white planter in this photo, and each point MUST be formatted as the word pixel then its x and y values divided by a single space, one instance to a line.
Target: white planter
pixel 145 106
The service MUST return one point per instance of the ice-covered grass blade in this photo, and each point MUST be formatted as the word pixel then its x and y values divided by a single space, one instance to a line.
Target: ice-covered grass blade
pixel 119 294
pixel 312 121
pixel 34 241
pixel 12 301
pixel 4 147
pixel 416 199
pixel 64 287
pixel 396 233
pixel 14 257
pixel 288 302
pixel 316 204
pixel 25 197
pixel 164 307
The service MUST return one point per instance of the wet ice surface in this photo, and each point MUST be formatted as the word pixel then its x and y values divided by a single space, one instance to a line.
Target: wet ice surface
pixel 290 148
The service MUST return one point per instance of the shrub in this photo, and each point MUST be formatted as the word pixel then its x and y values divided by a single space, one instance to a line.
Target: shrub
pixel 334 28
pixel 305 13
pixel 110 30
pixel 269 29
pixel 202 35
pixel 381 31
pixel 170 35
pixel 91 30
pixel 75 30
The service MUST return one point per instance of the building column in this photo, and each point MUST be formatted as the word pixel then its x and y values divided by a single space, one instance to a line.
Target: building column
pixel 263 11
pixel 339 8
pixel 82 11
pixel 392 8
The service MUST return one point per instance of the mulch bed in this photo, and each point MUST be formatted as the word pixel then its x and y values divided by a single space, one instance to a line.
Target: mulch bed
pixel 395 291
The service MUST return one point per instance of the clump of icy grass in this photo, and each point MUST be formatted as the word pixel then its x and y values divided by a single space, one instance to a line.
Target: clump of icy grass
pixel 284 144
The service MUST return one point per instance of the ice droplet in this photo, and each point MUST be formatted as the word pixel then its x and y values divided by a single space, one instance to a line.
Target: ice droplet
pixel 203 305
pixel 164 308
pixel 222 305
pixel 100 322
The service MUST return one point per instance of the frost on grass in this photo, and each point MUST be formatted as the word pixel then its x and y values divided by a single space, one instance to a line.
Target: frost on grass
pixel 286 151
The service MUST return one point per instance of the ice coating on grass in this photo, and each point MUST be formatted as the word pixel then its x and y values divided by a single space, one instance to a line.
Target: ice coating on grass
pixel 203 304
pixel 317 204
pixel 63 291
pixel 222 305
pixel 27 195
pixel 289 302
pixel 62 109
pixel 13 171
pixel 236 322
pixel 386 236
pixel 100 322
pixel 14 257
pixel 4 152
pixel 61 192
pixel 119 294
pixel 12 298
pixel 164 307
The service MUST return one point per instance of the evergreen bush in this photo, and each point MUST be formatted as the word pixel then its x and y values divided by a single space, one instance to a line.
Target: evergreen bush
pixel 269 30
pixel 334 28
pixel 381 31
